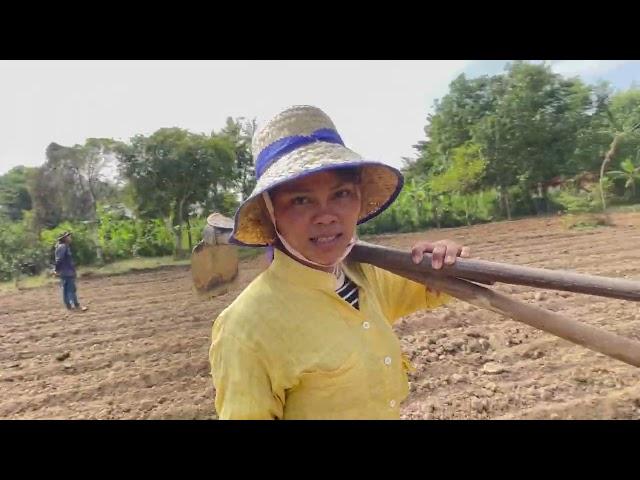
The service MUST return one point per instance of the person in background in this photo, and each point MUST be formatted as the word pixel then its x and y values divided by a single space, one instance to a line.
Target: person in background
pixel 66 270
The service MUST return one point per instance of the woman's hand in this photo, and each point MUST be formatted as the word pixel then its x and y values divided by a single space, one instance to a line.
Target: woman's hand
pixel 443 252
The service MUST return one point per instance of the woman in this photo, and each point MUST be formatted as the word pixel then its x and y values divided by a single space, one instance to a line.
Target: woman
pixel 311 337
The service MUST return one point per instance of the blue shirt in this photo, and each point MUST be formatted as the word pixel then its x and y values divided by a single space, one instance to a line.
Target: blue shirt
pixel 64 262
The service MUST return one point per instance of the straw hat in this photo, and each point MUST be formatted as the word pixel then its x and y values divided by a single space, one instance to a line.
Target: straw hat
pixel 218 220
pixel 300 141
pixel 64 235
pixel 217 230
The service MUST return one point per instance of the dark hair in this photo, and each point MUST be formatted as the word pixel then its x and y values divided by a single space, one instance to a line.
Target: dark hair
pixel 346 174
pixel 349 174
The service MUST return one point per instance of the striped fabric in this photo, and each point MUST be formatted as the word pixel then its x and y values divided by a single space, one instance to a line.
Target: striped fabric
pixel 349 292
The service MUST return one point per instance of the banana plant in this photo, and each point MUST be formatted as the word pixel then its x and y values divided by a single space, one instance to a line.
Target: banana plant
pixel 630 173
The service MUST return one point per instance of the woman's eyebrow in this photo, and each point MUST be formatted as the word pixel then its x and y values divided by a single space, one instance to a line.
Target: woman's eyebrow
pixel 295 190
pixel 341 183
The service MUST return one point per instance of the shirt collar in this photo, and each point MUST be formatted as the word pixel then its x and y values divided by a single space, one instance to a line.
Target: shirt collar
pixel 289 270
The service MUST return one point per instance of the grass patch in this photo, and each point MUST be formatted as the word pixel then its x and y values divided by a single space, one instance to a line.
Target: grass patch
pixel 132 264
pixel 115 268
pixel 625 208
pixel 118 267
pixel 585 220
pixel 27 282
pixel 247 253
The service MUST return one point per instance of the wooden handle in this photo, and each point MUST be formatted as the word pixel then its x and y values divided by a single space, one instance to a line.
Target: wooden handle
pixel 608 343
pixel 488 272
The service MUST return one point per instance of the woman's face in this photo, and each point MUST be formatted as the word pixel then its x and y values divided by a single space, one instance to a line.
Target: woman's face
pixel 318 214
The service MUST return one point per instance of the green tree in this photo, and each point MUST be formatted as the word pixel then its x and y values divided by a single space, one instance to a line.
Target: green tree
pixel 240 132
pixel 463 177
pixel 20 250
pixel 173 169
pixel 537 119
pixel 78 173
pixel 74 181
pixel 594 138
pixel 14 194
pixel 621 131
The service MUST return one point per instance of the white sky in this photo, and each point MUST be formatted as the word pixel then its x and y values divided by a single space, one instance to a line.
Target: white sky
pixel 379 107
pixel 586 67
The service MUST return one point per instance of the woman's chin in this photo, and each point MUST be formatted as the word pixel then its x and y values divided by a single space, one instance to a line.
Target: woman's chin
pixel 325 255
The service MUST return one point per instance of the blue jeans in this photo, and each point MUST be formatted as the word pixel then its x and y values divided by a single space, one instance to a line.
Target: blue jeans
pixel 69 297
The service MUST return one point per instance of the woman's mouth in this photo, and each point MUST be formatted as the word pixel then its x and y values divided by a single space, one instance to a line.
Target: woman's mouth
pixel 325 240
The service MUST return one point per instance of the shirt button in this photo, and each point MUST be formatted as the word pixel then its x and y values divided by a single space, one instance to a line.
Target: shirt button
pixel 387 360
pixel 392 403
pixel 366 325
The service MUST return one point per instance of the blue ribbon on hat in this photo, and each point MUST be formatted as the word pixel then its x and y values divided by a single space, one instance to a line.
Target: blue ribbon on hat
pixel 273 152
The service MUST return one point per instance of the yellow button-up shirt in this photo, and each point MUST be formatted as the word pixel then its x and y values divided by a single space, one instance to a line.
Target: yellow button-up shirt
pixel 289 347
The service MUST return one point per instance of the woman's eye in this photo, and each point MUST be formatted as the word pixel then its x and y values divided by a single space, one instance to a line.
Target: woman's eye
pixel 299 200
pixel 343 193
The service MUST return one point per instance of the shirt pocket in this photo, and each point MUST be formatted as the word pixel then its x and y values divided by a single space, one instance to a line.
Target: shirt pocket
pixel 322 393
pixel 346 369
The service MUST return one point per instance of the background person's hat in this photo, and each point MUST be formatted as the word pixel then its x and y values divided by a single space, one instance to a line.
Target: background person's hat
pixel 64 235
pixel 220 221
pixel 300 141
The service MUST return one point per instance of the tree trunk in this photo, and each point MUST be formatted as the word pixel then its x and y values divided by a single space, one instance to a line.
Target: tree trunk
pixel 436 216
pixel 607 159
pixel 189 233
pixel 538 199
pixel 545 196
pixel 504 201
pixel 177 238
pixel 178 229
pixel 466 210
pixel 434 210
pixel 96 236
pixel 88 186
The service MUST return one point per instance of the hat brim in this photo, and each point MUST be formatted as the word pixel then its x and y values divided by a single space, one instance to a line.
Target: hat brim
pixel 380 186
pixel 220 221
